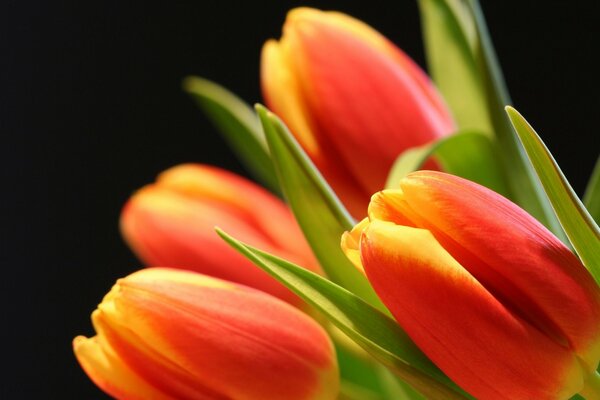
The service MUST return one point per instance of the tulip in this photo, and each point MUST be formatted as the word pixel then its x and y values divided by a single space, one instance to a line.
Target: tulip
pixel 171 223
pixel 353 100
pixel 490 295
pixel 172 334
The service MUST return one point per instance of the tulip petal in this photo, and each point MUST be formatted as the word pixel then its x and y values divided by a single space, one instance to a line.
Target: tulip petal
pixel 171 223
pixel 172 334
pixel 458 323
pixel 167 229
pixel 277 77
pixel 524 265
pixel 328 58
pixel 110 373
pixel 239 197
pixel 350 244
pixel 244 349
pixel 329 64
pixel 285 97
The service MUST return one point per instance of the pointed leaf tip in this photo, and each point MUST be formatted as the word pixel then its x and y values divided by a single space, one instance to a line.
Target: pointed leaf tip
pixel 581 230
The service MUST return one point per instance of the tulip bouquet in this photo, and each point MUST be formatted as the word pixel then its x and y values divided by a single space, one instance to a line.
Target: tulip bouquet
pixel 415 238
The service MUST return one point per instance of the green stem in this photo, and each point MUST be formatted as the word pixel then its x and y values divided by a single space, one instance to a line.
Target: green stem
pixel 591 388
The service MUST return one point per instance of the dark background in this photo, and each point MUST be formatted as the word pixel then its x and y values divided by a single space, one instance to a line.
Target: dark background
pixel 91 109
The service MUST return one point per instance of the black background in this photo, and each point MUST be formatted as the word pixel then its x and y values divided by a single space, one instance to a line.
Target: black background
pixel 91 109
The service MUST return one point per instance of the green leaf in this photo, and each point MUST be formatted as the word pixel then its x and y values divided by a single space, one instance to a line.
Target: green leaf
pixel 591 198
pixel 374 331
pixel 354 369
pixel 582 231
pixel 320 214
pixel 351 391
pixel 450 41
pixel 525 188
pixel 239 125
pixel 464 65
pixel 467 154
pixel 395 388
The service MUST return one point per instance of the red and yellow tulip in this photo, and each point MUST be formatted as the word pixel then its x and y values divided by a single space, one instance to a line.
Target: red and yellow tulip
pixel 172 334
pixel 489 294
pixel 171 223
pixel 353 100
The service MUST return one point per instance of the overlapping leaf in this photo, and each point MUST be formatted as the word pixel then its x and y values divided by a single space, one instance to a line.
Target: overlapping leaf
pixel 467 154
pixel 591 198
pixel 456 36
pixel 582 231
pixel 239 125
pixel 320 214
pixel 374 331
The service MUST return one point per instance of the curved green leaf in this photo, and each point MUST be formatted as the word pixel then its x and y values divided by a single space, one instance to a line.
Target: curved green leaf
pixel 467 154
pixel 320 214
pixel 582 231
pixel 462 60
pixel 374 331
pixel 239 125
pixel 591 198
pixel 525 188
pixel 450 42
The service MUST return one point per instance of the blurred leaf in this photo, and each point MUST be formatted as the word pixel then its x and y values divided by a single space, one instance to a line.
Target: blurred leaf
pixel 355 369
pixel 320 214
pixel 239 125
pixel 450 42
pixel 394 388
pixel 464 65
pixel 359 368
pixel 351 391
pixel 525 187
pixel 374 331
pixel 591 198
pixel 579 226
pixel 466 154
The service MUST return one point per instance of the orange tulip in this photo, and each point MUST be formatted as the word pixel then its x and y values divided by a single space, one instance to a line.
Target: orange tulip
pixel 172 334
pixel 353 100
pixel 171 223
pixel 489 294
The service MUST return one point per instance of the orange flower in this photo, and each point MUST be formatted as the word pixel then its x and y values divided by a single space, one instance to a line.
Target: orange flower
pixel 489 294
pixel 353 100
pixel 171 223
pixel 172 334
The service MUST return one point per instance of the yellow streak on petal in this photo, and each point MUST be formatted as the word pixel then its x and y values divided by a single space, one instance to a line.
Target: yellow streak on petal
pixel 390 205
pixel 161 275
pixel 312 17
pixel 282 89
pixel 351 243
pixel 197 181
pixel 104 367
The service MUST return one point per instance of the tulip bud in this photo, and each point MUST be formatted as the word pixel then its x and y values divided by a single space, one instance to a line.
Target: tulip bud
pixel 490 295
pixel 353 100
pixel 172 334
pixel 172 223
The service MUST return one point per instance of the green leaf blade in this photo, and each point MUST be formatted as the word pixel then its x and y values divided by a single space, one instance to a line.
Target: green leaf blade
pixel 377 333
pixel 591 198
pixel 320 214
pixel 464 65
pixel 582 231
pixel 449 38
pixel 470 155
pixel 239 125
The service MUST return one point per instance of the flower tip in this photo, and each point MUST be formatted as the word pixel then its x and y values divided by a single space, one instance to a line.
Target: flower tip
pixel 300 14
pixel 78 342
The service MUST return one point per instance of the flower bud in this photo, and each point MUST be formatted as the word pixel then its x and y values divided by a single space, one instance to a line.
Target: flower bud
pixel 353 100
pixel 487 292
pixel 172 222
pixel 172 334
